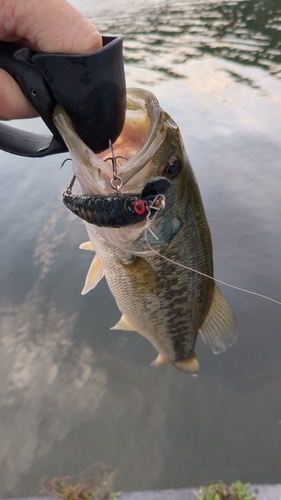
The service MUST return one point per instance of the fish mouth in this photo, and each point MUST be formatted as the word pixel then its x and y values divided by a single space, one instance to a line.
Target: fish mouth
pixel 143 133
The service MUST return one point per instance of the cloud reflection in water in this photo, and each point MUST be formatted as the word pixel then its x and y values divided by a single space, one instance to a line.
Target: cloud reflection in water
pixel 47 384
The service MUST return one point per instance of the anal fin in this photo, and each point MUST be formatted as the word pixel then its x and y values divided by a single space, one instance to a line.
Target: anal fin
pixel 159 361
pixel 123 324
pixel 219 329
pixel 94 275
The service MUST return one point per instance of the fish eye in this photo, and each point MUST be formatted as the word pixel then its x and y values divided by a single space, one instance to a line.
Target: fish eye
pixel 172 168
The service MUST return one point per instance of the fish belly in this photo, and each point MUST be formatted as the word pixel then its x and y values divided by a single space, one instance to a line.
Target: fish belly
pixel 160 300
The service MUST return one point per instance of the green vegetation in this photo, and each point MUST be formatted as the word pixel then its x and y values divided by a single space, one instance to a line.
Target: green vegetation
pixel 96 488
pixel 220 491
pixel 99 488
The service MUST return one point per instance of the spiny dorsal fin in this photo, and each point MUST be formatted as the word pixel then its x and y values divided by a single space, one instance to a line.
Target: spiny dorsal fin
pixel 219 329
pixel 94 275
pixel 159 361
pixel 188 365
pixel 123 324
pixel 87 245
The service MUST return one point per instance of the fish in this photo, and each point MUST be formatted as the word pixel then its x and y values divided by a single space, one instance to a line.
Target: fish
pixel 160 272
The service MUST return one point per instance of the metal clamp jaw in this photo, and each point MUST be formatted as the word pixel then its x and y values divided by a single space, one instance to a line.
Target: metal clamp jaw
pixel 90 87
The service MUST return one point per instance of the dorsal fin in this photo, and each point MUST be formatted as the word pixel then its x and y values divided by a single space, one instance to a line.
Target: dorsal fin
pixel 188 365
pixel 123 324
pixel 87 245
pixel 219 329
pixel 94 275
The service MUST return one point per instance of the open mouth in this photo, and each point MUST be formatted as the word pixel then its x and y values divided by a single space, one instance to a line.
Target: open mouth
pixel 127 163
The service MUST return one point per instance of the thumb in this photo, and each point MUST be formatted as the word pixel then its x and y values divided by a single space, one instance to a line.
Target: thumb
pixel 48 26
pixel 45 25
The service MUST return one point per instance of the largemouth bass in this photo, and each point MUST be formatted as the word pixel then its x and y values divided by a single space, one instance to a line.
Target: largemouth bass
pixel 149 271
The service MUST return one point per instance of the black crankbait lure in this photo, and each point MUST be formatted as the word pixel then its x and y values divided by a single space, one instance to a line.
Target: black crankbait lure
pixel 119 210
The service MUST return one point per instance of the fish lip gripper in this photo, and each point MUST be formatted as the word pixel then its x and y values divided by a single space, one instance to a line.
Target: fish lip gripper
pixel 90 87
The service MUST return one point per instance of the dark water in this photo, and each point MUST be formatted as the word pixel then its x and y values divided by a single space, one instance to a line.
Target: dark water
pixel 74 393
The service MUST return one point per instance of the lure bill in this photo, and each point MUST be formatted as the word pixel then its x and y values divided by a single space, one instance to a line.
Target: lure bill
pixel 149 266
pixel 119 210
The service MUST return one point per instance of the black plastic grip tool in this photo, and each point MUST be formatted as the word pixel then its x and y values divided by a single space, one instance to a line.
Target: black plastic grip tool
pixel 90 87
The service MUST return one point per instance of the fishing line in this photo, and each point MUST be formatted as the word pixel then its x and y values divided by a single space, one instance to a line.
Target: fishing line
pixel 147 228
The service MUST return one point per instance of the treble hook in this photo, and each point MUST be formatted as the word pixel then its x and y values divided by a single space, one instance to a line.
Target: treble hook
pixel 64 161
pixel 158 203
pixel 69 189
pixel 116 181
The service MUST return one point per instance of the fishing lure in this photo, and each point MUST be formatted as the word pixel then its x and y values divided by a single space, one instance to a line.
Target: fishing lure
pixel 119 210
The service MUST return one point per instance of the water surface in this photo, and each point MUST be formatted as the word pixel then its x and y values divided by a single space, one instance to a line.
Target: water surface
pixel 74 393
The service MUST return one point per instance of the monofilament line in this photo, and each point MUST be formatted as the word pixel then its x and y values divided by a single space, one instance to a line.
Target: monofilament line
pixel 147 228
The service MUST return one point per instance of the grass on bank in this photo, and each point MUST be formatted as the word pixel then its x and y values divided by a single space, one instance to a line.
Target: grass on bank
pixel 220 491
pixel 99 487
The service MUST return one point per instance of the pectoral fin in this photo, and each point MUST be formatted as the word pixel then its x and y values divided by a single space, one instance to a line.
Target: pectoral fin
pixel 123 324
pixel 94 275
pixel 88 245
pixel 141 275
pixel 189 365
pixel 219 329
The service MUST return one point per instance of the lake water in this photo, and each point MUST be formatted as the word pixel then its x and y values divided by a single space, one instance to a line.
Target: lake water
pixel 74 393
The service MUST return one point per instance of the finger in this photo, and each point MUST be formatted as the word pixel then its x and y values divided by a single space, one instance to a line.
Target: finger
pixel 55 26
pixel 13 103
pixel 49 26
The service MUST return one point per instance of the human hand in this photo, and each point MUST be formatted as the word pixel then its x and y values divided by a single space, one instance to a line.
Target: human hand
pixel 44 25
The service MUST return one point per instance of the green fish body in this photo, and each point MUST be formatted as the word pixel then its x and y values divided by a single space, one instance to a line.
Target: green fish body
pixel 150 267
